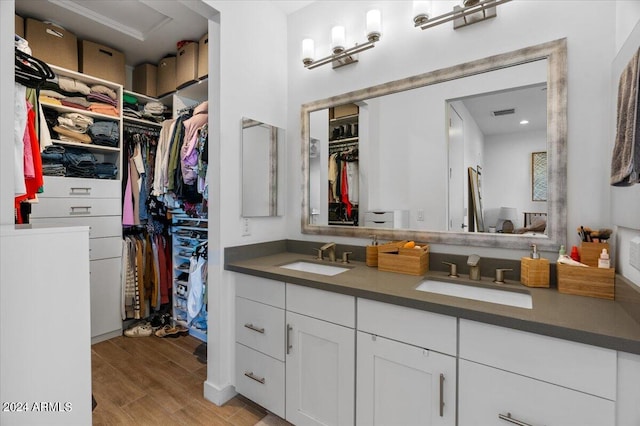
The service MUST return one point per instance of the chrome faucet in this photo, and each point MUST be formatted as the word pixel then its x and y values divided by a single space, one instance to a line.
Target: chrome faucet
pixel 474 267
pixel 500 275
pixel 453 269
pixel 330 248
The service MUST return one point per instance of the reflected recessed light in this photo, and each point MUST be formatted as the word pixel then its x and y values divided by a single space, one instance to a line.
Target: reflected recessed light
pixel 524 122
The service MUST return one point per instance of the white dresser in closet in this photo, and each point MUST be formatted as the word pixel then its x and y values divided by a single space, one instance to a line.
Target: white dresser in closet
pixel 96 203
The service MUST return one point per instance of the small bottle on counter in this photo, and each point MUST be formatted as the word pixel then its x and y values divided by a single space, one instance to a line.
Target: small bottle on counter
pixel 603 261
pixel 575 255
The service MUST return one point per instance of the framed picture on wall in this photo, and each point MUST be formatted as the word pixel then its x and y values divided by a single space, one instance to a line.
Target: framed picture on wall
pixel 539 176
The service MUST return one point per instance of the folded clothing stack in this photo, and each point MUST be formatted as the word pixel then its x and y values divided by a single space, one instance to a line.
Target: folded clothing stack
pixel 52 157
pixel 105 133
pixel 75 94
pixel 154 111
pixel 72 127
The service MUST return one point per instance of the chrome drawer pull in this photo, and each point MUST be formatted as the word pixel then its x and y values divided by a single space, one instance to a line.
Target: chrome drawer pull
pixel 80 191
pixel 508 418
pixel 441 395
pixel 250 375
pixel 254 328
pixel 288 339
pixel 86 209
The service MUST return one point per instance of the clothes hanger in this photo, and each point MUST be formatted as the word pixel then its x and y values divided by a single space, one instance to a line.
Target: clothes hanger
pixel 30 71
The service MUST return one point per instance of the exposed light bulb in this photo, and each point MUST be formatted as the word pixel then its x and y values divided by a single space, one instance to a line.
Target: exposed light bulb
pixel 374 25
pixel 308 51
pixel 337 39
pixel 422 11
pixel 523 122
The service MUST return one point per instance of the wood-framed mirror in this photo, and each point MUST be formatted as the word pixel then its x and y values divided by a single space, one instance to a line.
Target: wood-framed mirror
pixel 375 147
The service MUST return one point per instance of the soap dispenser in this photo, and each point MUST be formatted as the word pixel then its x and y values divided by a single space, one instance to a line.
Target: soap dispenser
pixel 603 261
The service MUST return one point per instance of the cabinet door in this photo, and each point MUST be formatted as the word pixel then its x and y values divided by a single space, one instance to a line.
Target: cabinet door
pixel 105 296
pixel 486 393
pixel 400 384
pixel 320 372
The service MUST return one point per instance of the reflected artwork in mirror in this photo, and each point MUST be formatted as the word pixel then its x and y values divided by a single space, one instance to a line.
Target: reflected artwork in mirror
pixel 416 138
pixel 261 169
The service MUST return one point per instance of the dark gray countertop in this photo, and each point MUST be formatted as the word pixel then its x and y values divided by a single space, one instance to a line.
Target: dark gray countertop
pixel 587 320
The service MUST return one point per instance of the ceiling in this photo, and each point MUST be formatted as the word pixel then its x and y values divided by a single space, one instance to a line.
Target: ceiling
pixel 530 103
pixel 144 30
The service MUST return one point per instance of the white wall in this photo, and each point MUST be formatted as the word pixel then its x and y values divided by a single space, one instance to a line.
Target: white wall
pixel 253 84
pixel 6 111
pixel 507 174
pixel 625 201
pixel 404 51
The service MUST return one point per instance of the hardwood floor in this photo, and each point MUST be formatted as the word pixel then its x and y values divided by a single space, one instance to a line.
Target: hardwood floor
pixel 159 381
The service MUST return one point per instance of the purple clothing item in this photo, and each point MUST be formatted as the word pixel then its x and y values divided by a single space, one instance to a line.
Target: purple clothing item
pixel 127 208
pixel 101 97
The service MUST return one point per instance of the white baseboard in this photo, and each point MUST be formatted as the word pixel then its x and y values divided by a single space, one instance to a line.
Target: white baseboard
pixel 106 336
pixel 218 395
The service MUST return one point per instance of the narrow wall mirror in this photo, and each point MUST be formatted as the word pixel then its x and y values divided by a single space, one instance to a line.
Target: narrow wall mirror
pixel 261 169
pixel 412 140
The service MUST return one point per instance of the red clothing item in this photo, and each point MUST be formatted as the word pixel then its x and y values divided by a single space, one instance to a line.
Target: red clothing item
pixel 344 189
pixel 35 183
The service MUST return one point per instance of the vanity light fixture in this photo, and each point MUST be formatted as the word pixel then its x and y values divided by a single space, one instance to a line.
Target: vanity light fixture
pixel 470 12
pixel 341 56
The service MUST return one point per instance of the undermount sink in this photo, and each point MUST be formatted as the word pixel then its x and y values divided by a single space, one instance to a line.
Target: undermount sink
pixel 492 295
pixel 315 268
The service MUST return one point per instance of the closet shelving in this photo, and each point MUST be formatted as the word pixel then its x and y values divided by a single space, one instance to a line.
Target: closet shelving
pixel 343 136
pixel 95 203
pixel 142 99
pixel 189 233
pixel 102 153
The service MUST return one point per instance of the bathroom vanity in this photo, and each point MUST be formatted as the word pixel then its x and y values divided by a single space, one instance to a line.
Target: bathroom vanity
pixel 316 348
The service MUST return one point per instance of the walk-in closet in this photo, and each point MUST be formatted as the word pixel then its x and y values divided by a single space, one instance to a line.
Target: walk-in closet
pixel 111 133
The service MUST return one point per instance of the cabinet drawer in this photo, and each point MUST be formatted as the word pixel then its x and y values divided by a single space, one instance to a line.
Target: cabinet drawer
pixel 63 187
pixel 378 224
pixel 420 328
pixel 105 296
pixel 99 227
pixel 260 327
pixel 104 248
pixel 484 393
pixel 586 368
pixel 325 305
pixel 73 207
pixel 260 378
pixel 379 217
pixel 260 290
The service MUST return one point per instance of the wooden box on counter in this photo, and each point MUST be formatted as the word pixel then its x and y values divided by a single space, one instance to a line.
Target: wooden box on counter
pixel 590 252
pixel 586 281
pixel 534 272
pixel 412 261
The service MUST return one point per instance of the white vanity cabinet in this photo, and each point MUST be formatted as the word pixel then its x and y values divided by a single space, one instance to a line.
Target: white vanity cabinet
pixel 397 349
pixel 320 360
pixel 509 376
pixel 260 372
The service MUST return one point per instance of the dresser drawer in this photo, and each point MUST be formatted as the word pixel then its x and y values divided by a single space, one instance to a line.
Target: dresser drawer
pixel 105 248
pixel 260 378
pixel 260 327
pixel 378 216
pixel 74 207
pixel 586 368
pixel 260 290
pixel 381 224
pixel 99 227
pixel 420 328
pixel 57 187
pixel 325 305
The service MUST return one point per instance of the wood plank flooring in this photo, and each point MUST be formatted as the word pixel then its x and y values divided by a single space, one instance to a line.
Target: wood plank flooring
pixel 159 381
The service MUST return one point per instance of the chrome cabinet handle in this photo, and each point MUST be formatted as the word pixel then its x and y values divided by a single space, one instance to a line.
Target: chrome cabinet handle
pixel 288 339
pixel 250 375
pixel 80 191
pixel 254 328
pixel 508 418
pixel 441 395
pixel 86 209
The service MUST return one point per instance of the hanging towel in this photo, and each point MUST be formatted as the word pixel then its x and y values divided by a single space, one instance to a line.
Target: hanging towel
pixel 625 161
